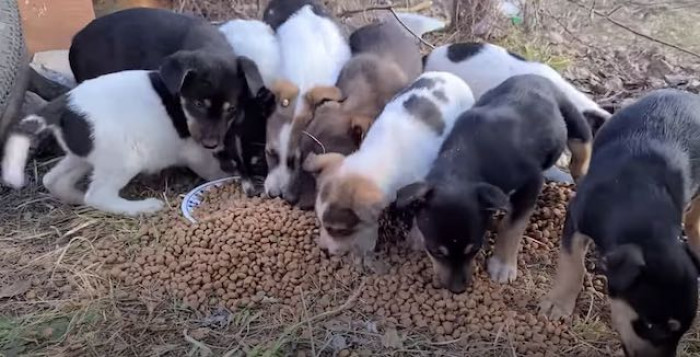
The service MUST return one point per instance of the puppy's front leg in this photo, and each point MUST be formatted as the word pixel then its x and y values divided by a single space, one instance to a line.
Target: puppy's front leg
pixel 503 265
pixel 561 300
pixel 692 225
pixel 103 192
pixel 203 162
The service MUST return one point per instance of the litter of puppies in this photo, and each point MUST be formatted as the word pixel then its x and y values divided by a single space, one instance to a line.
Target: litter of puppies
pixel 352 128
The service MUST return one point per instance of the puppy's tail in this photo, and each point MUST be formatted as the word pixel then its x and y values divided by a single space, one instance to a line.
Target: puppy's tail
pixel 579 138
pixel 17 147
pixel 419 24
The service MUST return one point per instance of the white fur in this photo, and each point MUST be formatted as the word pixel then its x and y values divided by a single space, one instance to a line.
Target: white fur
pixel 396 136
pixel 131 134
pixel 278 178
pixel 16 152
pixel 256 40
pixel 493 65
pixel 418 24
pixel 313 52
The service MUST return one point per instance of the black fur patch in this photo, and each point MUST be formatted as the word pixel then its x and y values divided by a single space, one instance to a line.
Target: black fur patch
pixel 172 105
pixel 422 83
pixel 459 52
pixel 425 110
pixel 440 94
pixel 517 56
pixel 595 120
pixel 77 133
pixel 279 11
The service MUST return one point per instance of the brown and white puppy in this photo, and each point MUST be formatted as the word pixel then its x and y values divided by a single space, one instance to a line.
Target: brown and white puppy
pixel 313 51
pixel 399 148
pixel 644 173
pixel 386 58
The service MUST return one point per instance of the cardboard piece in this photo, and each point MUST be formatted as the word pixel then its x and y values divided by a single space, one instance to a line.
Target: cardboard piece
pixel 51 24
pixel 104 7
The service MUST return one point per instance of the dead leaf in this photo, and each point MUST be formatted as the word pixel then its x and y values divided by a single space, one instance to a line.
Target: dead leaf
pixel 391 339
pixel 17 288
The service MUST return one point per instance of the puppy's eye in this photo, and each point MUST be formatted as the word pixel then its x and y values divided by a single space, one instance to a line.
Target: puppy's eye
pixel 291 162
pixel 339 232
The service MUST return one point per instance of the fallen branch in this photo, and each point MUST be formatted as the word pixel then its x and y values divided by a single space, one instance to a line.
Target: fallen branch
pixel 631 30
pixel 416 8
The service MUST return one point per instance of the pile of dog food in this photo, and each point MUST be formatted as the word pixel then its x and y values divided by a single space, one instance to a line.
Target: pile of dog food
pixel 248 252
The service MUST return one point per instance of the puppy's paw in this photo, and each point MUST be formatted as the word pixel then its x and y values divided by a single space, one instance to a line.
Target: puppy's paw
pixel 145 207
pixel 501 272
pixel 250 189
pixel 557 308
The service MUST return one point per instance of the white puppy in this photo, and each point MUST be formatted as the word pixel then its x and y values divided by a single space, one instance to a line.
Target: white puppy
pixel 117 125
pixel 256 40
pixel 484 66
pixel 399 148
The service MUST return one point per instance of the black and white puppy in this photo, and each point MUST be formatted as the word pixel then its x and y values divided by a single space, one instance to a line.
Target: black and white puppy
pixel 644 172
pixel 493 160
pixel 117 126
pixel 199 64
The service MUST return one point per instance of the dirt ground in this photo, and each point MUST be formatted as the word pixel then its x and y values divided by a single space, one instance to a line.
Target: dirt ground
pixel 58 296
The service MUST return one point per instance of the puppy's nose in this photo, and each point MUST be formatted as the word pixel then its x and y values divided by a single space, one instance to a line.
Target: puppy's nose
pixel 210 143
pixel 458 285
pixel 291 197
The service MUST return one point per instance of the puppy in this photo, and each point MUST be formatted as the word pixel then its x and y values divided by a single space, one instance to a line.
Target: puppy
pixel 255 40
pixel 244 143
pixel 117 125
pixel 644 172
pixel 313 51
pixel 399 149
pixel 200 66
pixel 469 61
pixel 386 58
pixel 493 160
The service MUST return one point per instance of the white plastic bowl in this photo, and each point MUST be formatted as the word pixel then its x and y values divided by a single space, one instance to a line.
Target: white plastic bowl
pixel 194 197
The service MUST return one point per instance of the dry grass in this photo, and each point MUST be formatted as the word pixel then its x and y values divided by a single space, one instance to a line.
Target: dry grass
pixel 57 300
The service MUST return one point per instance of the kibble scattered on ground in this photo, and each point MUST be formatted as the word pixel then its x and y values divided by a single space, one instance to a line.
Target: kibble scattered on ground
pixel 249 252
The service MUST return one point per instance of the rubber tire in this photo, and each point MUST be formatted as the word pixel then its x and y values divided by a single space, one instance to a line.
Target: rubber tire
pixel 13 65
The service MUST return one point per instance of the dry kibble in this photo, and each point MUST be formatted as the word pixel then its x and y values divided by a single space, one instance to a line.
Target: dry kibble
pixel 251 252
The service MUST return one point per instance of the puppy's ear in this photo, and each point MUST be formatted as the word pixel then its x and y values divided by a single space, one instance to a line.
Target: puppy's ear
pixel 317 164
pixel 250 74
pixel 359 126
pixel 175 71
pixel 320 94
pixel 491 197
pixel 623 265
pixel 285 91
pixel 414 196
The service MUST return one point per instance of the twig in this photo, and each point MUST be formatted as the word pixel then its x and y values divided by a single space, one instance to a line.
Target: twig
pixel 396 16
pixel 333 312
pixel 629 29
pixel 311 328
pixel 411 31
pixel 418 7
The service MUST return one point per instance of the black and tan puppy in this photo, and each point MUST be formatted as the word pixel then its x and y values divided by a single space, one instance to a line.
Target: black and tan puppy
pixel 644 172
pixel 494 160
